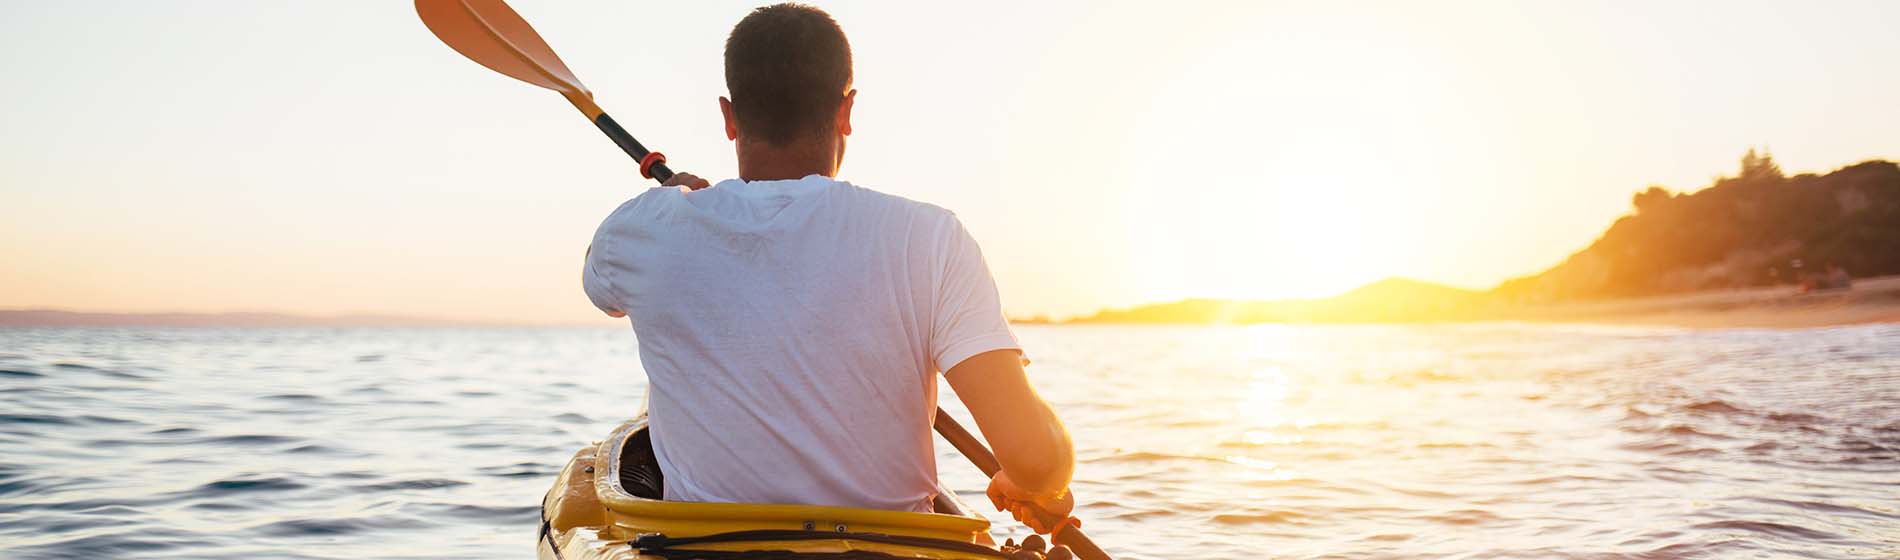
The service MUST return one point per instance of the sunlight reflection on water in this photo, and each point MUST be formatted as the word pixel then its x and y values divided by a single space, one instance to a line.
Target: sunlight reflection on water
pixel 1464 441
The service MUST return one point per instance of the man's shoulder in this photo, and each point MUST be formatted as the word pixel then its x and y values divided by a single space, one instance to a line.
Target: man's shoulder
pixel 917 209
pixel 647 202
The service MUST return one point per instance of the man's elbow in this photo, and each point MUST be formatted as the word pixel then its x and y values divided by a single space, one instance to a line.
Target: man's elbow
pixel 1048 466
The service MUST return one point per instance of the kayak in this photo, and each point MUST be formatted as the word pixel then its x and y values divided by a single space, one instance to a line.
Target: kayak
pixel 605 505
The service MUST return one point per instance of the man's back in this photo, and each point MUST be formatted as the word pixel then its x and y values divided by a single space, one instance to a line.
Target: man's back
pixel 791 332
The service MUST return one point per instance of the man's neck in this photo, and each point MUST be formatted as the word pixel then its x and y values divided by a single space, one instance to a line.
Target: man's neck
pixel 759 161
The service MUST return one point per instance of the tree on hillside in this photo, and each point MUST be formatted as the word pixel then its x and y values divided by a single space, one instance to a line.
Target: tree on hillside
pixel 1653 197
pixel 1759 166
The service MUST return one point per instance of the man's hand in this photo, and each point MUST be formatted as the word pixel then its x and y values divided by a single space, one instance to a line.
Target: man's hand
pixel 1041 513
pixel 1031 446
pixel 688 180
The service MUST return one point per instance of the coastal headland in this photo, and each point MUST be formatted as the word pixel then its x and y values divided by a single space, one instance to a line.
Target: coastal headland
pixel 1756 249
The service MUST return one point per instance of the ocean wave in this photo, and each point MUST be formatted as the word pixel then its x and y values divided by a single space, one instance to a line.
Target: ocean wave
pixel 248 440
pixel 525 513
pixel 1271 517
pixel 1782 530
pixel 412 484
pixel 49 419
pixel 246 485
pixel 334 526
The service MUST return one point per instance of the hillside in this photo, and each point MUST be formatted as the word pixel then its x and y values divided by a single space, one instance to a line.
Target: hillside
pixel 1742 231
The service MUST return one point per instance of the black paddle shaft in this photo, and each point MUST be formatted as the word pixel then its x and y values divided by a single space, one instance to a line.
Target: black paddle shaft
pixel 658 170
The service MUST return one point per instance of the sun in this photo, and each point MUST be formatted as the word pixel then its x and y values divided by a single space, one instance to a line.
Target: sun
pixel 1274 240
pixel 1270 174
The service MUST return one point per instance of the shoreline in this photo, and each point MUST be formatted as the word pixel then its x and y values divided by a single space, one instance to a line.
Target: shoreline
pixel 1871 300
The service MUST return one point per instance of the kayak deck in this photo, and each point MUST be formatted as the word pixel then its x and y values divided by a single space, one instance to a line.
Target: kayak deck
pixel 605 505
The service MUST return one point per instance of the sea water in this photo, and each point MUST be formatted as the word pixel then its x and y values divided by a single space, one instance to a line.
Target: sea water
pixel 1465 441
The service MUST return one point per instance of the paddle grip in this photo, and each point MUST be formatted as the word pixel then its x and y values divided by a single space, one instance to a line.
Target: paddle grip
pixel 972 448
pixel 632 147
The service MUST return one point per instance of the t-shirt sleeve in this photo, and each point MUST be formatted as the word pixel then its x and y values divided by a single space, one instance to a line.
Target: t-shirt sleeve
pixel 604 270
pixel 599 286
pixel 969 313
pixel 598 267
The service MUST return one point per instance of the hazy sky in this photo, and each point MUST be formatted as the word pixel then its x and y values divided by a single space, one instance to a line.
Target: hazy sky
pixel 333 157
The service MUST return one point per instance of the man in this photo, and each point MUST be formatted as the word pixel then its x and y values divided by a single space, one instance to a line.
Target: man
pixel 791 325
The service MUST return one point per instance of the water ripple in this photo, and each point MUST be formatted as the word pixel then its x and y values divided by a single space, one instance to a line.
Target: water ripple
pixel 246 485
pixel 1449 441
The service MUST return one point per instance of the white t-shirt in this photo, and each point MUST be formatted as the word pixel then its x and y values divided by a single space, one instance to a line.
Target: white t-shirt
pixel 791 333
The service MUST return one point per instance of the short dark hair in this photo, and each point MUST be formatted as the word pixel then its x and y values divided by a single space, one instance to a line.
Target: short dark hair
pixel 787 66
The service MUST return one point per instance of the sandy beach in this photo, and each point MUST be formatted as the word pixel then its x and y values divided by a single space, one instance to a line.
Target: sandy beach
pixel 1871 300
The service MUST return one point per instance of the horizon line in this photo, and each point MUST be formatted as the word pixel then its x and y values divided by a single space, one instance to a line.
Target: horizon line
pixel 58 317
pixel 41 316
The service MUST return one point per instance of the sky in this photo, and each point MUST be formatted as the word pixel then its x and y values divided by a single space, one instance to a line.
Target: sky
pixel 335 158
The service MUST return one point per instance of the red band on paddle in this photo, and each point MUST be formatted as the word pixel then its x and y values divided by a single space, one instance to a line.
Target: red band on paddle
pixel 646 163
pixel 1056 533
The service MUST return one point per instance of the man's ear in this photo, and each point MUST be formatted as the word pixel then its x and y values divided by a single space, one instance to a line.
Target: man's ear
pixel 844 112
pixel 732 124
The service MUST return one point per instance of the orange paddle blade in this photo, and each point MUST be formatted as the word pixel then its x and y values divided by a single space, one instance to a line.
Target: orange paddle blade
pixel 492 34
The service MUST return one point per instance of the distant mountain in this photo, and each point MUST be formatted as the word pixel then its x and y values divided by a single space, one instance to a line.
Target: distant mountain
pixel 1405 289
pixel 57 318
pixel 1757 228
pixel 1385 301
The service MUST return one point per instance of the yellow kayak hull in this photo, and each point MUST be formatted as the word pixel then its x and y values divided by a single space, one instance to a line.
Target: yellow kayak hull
pixel 589 514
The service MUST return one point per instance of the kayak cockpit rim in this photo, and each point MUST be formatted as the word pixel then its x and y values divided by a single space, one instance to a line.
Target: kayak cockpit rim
pixel 632 515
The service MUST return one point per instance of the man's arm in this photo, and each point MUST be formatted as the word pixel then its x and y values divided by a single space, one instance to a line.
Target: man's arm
pixel 1030 443
pixel 599 289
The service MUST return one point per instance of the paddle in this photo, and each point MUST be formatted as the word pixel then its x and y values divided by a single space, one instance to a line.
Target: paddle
pixel 492 34
pixel 967 444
